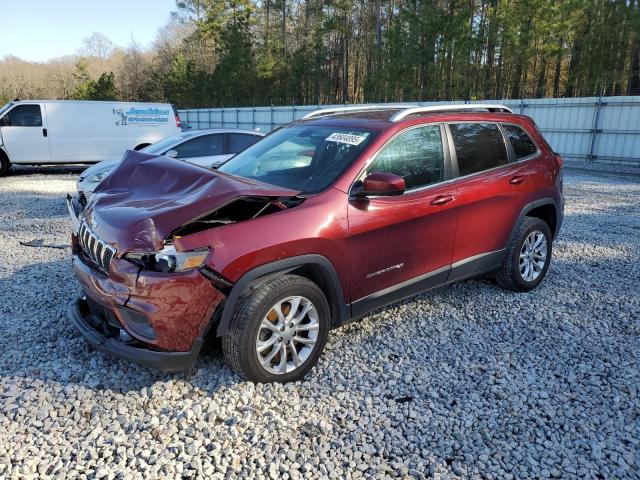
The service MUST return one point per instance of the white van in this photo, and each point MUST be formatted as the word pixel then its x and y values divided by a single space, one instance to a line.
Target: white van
pixel 68 131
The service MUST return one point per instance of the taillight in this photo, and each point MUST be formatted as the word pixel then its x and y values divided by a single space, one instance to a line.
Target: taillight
pixel 178 122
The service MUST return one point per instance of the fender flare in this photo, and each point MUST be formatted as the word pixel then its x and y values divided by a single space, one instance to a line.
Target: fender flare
pixel 535 204
pixel 280 267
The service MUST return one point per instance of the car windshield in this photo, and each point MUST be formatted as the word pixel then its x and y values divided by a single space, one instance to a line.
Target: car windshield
pixel 304 158
pixel 165 144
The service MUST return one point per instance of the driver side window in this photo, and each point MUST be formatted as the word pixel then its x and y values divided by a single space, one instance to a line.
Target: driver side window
pixel 416 155
pixel 23 116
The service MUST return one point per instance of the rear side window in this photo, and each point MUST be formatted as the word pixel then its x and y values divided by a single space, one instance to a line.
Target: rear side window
pixel 479 146
pixel 239 141
pixel 521 141
pixel 203 146
pixel 23 116
pixel 415 155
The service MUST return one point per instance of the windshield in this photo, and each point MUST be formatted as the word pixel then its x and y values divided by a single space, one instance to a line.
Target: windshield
pixel 3 109
pixel 165 144
pixel 304 158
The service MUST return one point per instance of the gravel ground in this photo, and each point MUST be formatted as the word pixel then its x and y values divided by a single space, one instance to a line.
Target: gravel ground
pixel 464 382
pixel 599 167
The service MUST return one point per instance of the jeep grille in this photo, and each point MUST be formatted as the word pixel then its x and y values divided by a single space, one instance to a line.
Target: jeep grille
pixel 94 248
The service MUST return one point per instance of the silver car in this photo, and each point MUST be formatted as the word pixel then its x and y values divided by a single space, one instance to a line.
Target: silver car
pixel 208 148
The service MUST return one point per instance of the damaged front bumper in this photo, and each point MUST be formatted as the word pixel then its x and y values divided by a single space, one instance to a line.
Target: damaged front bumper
pixel 89 325
pixel 155 319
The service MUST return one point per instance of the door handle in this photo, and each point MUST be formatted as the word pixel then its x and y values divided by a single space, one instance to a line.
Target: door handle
pixel 44 132
pixel 442 199
pixel 517 179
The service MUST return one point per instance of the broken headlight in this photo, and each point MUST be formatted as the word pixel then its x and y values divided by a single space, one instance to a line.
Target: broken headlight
pixel 98 177
pixel 169 260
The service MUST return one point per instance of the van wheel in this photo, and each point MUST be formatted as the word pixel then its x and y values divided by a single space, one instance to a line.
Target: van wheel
pixel 5 164
pixel 278 331
pixel 527 259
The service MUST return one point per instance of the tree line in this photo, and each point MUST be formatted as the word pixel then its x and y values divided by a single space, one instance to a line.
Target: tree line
pixel 281 52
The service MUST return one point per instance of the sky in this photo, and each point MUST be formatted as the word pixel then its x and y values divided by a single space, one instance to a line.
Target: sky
pixel 39 30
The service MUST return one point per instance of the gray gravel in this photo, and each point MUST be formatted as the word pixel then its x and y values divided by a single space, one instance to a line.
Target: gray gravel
pixel 465 382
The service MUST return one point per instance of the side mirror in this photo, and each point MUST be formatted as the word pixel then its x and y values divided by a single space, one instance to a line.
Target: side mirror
pixel 382 184
pixel 171 154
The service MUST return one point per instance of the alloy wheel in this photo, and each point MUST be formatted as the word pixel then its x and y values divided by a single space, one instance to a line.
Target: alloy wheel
pixel 533 256
pixel 287 335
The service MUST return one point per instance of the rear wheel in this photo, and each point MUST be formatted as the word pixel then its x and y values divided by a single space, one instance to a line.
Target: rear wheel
pixel 278 330
pixel 5 164
pixel 527 258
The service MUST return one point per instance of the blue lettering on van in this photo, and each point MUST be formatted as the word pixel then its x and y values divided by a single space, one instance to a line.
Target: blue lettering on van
pixel 141 116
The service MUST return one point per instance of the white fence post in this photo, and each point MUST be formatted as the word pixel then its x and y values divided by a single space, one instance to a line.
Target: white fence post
pixel 594 129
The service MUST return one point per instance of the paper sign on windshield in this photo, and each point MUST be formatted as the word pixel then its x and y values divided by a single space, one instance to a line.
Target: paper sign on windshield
pixel 346 138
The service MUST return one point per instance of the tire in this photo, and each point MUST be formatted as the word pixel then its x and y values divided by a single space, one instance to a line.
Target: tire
pixel 248 332
pixel 5 164
pixel 514 276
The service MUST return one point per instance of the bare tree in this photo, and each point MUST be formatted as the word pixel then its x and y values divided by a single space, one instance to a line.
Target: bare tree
pixel 133 72
pixel 97 45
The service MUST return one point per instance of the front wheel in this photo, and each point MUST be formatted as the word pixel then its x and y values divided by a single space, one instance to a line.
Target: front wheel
pixel 5 164
pixel 278 330
pixel 528 255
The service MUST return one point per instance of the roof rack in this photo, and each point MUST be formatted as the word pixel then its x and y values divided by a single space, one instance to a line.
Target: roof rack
pixel 446 108
pixel 406 110
pixel 362 108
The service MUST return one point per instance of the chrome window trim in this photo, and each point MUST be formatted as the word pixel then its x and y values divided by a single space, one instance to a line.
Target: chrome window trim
pixel 446 160
pixel 450 155
pixel 528 157
pixel 507 146
pixel 464 177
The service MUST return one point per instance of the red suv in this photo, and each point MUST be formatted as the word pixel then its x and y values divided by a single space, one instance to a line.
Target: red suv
pixel 317 224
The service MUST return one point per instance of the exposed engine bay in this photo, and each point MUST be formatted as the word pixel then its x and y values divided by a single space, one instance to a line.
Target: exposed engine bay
pixel 238 210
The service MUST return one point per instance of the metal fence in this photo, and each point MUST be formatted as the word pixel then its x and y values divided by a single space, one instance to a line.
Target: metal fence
pixel 605 129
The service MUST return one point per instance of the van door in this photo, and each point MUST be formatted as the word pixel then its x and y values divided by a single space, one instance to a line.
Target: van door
pixel 24 133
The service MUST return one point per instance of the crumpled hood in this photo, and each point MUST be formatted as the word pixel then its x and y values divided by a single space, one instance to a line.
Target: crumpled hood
pixel 146 197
